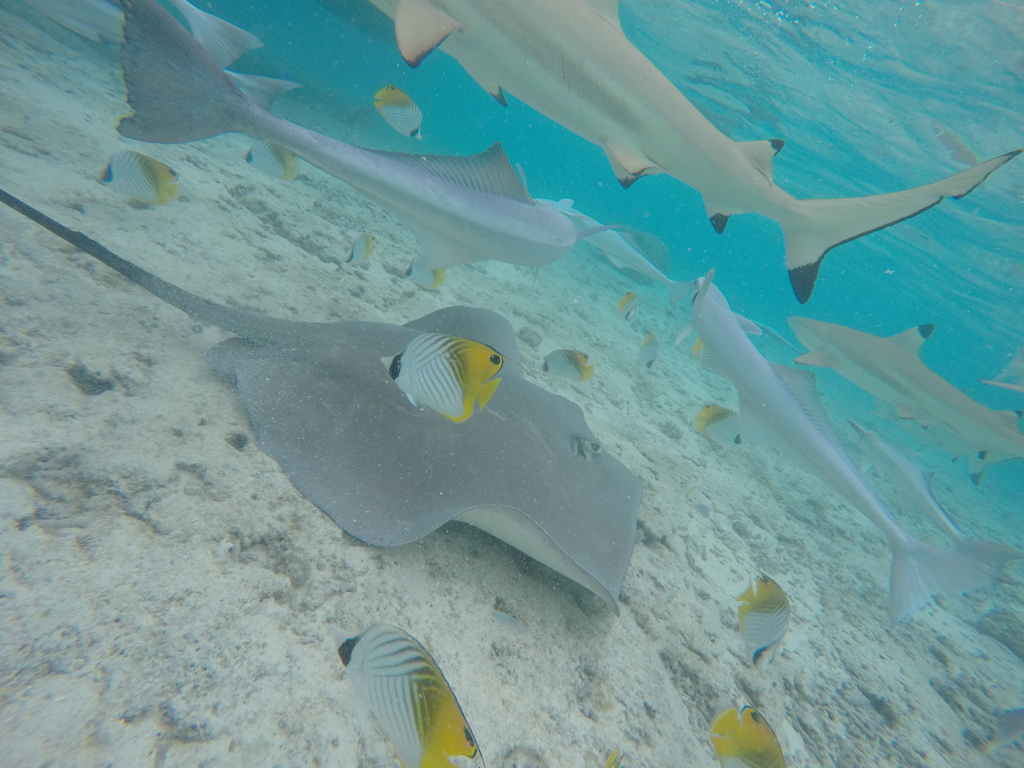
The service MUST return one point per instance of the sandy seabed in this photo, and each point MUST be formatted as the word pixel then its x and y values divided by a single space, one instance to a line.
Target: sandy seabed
pixel 165 591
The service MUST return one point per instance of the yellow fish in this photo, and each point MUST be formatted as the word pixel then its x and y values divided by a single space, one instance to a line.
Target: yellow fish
pixel 648 350
pixel 360 249
pixel 406 690
pixel 745 740
pixel 431 279
pixel 719 423
pixel 568 364
pixel 400 112
pixel 628 305
pixel 764 619
pixel 614 759
pixel 446 373
pixel 140 177
pixel 273 159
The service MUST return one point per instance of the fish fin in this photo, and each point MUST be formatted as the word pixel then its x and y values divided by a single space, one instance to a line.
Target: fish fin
pixel 437 252
pixel 629 164
pixel 909 341
pixel 718 213
pixel 988 552
pixel 609 9
pixel 486 391
pixel 587 372
pixel 262 90
pixel 857 428
pixel 803 385
pixel 749 326
pixel 980 460
pixel 1011 419
pixel 762 153
pixel 421 26
pixel 920 570
pixel 1013 386
pixel 223 41
pixel 583 234
pixel 522 179
pixel 489 171
pixel 687 330
pixel 812 228
pixel 678 290
pixel 177 90
pixel 820 358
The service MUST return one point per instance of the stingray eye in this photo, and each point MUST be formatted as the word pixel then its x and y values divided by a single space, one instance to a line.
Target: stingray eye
pixel 396 367
pixel 586 449
pixel 496 359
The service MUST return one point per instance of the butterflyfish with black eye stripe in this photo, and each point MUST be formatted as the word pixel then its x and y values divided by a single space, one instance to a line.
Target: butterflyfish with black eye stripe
pixel 273 159
pixel 360 249
pixel 431 279
pixel 764 619
pixel 745 740
pixel 407 692
pixel 648 350
pixel 399 111
pixel 446 373
pixel 627 306
pixel 719 423
pixel 140 177
pixel 568 364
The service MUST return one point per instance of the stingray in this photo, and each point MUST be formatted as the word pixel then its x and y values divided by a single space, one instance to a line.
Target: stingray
pixel 526 469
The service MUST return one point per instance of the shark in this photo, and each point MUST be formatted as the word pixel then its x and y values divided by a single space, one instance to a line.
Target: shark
pixel 571 61
pixel 914 486
pixel 779 406
pixel 460 208
pixel 619 250
pixel 890 368
pixel 1012 376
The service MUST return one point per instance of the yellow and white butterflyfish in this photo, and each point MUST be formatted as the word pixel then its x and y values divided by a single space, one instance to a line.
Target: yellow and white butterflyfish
pixel 568 364
pixel 446 373
pixel 140 177
pixel 627 306
pixel 405 689
pixel 745 740
pixel 273 159
pixel 431 279
pixel 764 618
pixel 360 250
pixel 719 423
pixel 399 111
pixel 648 350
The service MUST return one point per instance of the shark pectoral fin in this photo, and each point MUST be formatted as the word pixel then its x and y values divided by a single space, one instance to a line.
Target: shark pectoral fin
pixel 980 460
pixel 629 164
pixel 421 26
pixel 1011 419
pixel 819 357
pixel 910 340
pixel 761 153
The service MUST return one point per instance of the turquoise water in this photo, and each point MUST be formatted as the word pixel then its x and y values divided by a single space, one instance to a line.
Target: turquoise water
pixel 188 628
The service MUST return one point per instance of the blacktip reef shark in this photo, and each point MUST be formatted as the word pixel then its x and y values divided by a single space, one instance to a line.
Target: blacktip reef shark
pixel 571 61
pixel 780 407
pixel 526 470
pixel 890 368
pixel 914 486
pixel 619 250
pixel 461 209
pixel 1012 376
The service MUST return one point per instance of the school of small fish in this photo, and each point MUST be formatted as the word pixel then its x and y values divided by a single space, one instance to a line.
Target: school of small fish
pixel 389 670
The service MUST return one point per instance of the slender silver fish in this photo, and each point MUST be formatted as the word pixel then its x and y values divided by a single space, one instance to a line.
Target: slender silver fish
pixel 915 488
pixel 780 407
pixel 461 209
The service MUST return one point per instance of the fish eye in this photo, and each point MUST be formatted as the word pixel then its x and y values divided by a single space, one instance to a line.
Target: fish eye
pixel 496 359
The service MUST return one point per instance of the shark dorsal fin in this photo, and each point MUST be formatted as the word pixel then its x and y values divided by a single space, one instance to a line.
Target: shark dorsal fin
pixel 761 153
pixel 910 340
pixel 609 9
pixel 489 171
pixel 421 26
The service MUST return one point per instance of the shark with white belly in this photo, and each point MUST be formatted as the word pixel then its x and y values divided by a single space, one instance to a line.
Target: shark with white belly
pixel 571 61
pixel 890 368
pixel 914 487
pixel 779 406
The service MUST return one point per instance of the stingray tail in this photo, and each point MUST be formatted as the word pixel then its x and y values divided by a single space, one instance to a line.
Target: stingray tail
pixel 814 227
pixel 920 570
pixel 987 551
pixel 177 90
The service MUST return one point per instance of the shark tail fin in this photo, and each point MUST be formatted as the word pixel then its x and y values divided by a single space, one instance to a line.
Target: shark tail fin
pixel 177 90
pixel 814 227
pixel 987 551
pixel 920 570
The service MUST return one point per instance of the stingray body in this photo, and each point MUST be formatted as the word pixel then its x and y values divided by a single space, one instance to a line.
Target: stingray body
pixel 571 61
pixel 890 368
pixel 322 405
pixel 461 209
